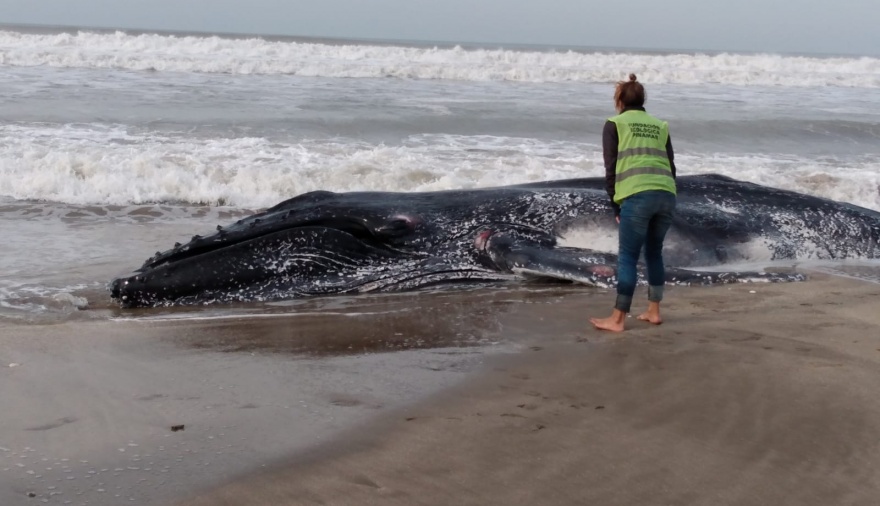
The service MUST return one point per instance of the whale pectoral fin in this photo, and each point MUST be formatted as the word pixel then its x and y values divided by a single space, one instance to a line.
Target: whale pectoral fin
pixel 595 268
pixel 527 258
pixel 534 260
pixel 691 277
pixel 596 275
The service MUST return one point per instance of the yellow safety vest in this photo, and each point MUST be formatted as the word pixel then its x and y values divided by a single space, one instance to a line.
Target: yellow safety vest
pixel 642 162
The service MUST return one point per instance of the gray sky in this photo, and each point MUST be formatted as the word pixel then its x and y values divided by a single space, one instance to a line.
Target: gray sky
pixel 801 26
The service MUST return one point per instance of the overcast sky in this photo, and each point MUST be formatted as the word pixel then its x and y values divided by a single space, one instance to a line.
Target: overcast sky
pixel 800 26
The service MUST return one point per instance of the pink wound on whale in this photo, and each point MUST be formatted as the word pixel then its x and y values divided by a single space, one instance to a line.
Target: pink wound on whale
pixel 606 271
pixel 481 239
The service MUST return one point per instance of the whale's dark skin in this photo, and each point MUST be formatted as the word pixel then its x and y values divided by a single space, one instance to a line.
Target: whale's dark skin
pixel 323 243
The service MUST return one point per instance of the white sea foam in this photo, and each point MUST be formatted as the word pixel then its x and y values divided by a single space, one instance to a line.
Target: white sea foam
pixel 259 56
pixel 99 164
pixel 855 180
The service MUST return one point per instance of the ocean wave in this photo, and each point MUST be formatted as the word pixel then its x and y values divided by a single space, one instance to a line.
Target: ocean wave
pixel 235 55
pixel 107 165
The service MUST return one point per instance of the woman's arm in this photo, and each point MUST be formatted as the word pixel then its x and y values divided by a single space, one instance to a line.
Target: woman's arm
pixel 609 153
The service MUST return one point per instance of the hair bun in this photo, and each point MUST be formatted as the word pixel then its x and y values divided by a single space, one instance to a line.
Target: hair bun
pixel 632 77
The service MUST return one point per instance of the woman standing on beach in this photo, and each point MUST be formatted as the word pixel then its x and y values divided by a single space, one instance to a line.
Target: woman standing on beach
pixel 640 179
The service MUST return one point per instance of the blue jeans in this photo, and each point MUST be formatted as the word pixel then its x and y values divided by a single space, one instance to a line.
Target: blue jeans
pixel 644 220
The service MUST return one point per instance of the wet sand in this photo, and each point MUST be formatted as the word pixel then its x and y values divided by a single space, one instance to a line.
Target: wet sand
pixel 740 398
pixel 474 397
pixel 91 400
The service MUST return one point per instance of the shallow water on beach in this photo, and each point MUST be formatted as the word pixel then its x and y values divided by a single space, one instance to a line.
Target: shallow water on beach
pixel 363 324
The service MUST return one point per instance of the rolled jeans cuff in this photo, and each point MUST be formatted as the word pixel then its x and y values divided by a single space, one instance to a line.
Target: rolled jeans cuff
pixel 655 293
pixel 623 303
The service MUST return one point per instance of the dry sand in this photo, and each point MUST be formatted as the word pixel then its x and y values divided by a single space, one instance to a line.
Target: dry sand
pixel 747 394
pixel 739 398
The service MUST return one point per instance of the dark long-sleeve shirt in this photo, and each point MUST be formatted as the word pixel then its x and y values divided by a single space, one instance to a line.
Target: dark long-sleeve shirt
pixel 610 141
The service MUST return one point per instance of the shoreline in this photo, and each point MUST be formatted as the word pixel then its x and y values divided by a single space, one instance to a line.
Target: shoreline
pixel 747 394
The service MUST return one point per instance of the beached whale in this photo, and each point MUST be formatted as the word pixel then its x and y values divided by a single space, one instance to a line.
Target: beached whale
pixel 322 243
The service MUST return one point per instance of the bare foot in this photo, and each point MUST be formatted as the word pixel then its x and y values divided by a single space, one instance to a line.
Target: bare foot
pixel 650 317
pixel 612 323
